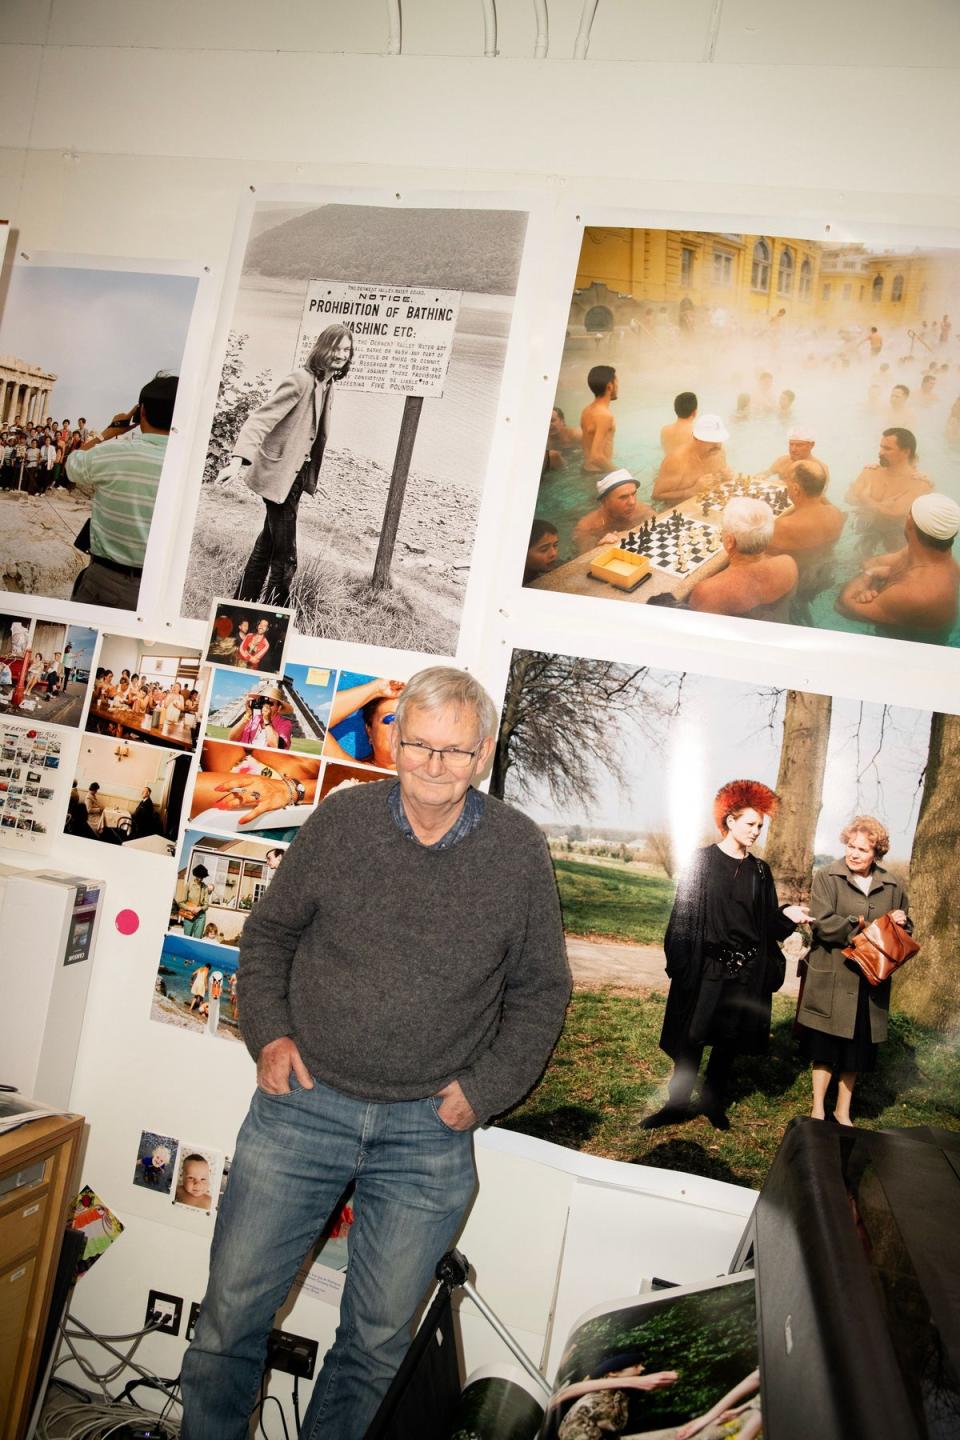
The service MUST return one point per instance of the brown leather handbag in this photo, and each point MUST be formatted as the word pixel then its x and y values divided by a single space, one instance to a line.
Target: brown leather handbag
pixel 880 948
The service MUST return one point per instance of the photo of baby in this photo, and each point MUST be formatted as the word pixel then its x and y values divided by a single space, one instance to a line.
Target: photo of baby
pixel 198 1178
pixel 154 1167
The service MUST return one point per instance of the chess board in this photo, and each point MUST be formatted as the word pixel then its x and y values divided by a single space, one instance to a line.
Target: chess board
pixel 676 545
pixel 751 486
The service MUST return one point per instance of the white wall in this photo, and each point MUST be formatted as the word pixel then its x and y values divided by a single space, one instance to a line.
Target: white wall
pixel 132 130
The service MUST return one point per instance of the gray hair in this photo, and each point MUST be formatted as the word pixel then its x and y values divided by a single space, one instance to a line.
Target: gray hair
pixel 749 522
pixel 443 685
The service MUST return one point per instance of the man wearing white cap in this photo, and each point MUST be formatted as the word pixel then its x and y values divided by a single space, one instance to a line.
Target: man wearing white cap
pixel 911 594
pixel 800 443
pixel 696 464
pixel 618 510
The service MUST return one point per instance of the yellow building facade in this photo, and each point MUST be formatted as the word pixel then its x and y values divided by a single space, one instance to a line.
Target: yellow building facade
pixel 622 270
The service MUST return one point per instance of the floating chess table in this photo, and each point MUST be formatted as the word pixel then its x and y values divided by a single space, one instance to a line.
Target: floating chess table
pixel 682 544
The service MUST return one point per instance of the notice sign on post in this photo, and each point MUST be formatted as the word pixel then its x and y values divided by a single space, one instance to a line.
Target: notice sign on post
pixel 403 335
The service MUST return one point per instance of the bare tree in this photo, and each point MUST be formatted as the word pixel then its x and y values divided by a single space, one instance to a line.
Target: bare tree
pixel 659 845
pixel 929 987
pixel 789 849
pixel 562 720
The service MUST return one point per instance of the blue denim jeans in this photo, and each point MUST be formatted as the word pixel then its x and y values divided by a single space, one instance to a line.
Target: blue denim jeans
pixel 295 1156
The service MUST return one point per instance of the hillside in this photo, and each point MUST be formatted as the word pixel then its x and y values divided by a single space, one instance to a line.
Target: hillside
pixel 452 249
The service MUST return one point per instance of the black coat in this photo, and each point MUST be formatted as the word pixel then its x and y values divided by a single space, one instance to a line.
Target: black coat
pixel 683 945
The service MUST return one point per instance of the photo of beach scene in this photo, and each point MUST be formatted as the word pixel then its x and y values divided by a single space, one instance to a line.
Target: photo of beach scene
pixel 195 988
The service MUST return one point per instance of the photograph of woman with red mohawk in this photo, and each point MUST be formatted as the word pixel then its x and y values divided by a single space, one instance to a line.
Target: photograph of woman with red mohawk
pixel 723 958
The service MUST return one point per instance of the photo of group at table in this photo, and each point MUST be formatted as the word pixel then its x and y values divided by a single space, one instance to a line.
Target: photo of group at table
pixel 44 668
pixel 757 426
pixel 148 692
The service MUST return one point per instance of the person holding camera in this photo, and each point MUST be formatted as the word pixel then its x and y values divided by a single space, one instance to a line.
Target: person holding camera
pixel 263 721
pixel 120 470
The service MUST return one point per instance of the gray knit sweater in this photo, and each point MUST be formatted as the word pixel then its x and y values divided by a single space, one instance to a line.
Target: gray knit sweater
pixel 397 968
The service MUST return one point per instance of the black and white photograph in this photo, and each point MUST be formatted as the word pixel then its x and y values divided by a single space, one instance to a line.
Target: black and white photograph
pixel 348 447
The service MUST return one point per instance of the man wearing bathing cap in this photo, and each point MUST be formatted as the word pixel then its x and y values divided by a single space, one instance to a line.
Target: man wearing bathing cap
pixel 618 509
pixel 800 443
pixel 911 594
pixel 696 464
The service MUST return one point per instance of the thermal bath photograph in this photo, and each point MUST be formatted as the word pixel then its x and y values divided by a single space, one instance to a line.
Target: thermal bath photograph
pixel 758 426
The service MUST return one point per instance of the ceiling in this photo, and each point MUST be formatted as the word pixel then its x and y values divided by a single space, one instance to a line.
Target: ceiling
pixel 845 33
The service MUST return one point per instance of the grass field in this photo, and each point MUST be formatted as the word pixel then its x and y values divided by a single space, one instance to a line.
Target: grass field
pixel 607 1073
pixel 613 901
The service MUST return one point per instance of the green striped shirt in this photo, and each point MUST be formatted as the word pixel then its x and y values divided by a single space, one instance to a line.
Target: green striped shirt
pixel 122 476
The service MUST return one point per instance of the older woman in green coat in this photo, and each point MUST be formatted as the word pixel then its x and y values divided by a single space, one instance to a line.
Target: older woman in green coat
pixel 843 1015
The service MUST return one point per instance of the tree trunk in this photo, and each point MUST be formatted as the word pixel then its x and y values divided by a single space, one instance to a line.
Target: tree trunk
pixel 803 758
pixel 928 987
pixel 511 701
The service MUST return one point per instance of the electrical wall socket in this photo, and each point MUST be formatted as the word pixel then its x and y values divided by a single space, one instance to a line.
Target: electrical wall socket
pixel 293 1353
pixel 192 1320
pixel 167 1308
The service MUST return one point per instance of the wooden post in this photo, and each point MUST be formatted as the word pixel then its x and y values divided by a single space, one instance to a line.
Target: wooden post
pixel 412 406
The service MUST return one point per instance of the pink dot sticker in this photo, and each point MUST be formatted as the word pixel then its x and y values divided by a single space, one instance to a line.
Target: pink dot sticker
pixel 127 922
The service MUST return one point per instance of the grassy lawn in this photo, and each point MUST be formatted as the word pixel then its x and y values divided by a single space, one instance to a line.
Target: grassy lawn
pixel 607 1072
pixel 613 901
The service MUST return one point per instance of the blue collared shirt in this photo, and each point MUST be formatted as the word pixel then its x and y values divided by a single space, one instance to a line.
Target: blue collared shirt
pixel 469 818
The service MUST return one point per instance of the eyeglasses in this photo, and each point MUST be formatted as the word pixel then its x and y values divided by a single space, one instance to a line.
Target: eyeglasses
pixel 453 757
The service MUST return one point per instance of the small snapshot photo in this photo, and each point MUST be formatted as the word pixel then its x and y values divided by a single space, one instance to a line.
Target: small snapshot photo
pixel 258 710
pixel 218 883
pixel 196 987
pixel 148 692
pixel 255 791
pixel 198 1178
pixel 127 793
pixel 156 1155
pixel 16 633
pixel 344 777
pixel 362 718
pixel 247 636
pixel 53 674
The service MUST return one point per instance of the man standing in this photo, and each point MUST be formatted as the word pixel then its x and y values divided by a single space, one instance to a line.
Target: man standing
pixel 384 1029
pixel 121 471
pixel 695 464
pixel 597 425
pixel 883 493
pixel 674 434
pixel 618 510
pixel 278 452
